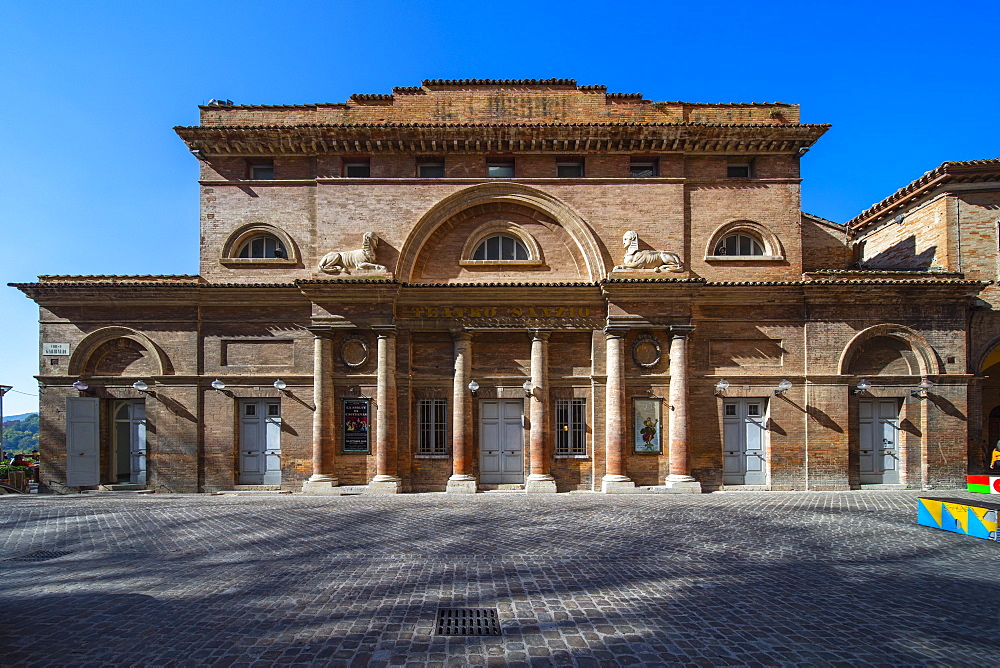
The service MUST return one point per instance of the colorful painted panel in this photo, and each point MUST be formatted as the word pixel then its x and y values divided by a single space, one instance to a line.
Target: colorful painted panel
pixel 959 516
pixel 984 484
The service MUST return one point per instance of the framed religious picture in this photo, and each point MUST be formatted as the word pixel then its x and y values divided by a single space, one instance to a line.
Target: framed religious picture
pixel 647 426
pixel 356 420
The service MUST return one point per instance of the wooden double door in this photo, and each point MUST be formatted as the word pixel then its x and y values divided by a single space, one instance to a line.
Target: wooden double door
pixel 501 441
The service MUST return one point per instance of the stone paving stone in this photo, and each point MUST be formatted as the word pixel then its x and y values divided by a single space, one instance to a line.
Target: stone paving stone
pixel 770 578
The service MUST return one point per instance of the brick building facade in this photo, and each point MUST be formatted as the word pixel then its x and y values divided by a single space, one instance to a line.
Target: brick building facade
pixel 475 284
pixel 946 223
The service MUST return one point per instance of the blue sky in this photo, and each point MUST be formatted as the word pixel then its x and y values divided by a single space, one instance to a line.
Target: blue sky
pixel 94 181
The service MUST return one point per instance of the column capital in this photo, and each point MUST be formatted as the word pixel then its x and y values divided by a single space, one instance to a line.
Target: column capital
pixel 540 334
pixel 384 330
pixel 461 334
pixel 615 332
pixel 681 330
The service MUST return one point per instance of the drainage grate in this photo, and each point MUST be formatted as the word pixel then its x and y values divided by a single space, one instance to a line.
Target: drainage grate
pixel 40 555
pixel 468 622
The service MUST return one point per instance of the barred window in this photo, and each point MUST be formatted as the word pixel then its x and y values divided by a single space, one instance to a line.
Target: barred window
pixel 571 426
pixel 432 416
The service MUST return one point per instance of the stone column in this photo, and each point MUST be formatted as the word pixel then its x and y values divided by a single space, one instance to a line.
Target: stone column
pixel 462 481
pixel 615 480
pixel 680 472
pixel 539 480
pixel 322 480
pixel 385 481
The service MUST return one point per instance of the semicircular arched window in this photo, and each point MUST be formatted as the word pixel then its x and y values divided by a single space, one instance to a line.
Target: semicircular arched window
pixel 262 246
pixel 739 243
pixel 501 247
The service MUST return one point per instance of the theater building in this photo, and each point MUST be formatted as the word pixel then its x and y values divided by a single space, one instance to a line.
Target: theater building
pixel 478 284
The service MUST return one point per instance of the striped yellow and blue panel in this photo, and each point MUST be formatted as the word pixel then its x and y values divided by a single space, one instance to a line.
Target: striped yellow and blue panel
pixel 972 518
pixel 984 484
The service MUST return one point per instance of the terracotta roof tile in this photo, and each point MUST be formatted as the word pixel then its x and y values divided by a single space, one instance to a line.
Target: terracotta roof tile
pixel 946 171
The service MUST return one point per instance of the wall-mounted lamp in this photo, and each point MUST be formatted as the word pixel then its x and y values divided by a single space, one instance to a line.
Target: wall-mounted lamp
pixel 473 387
pixel 81 385
pixel 141 386
pixel 783 387
pixel 921 391
pixel 863 386
pixel 218 385
pixel 528 387
pixel 280 385
pixel 721 387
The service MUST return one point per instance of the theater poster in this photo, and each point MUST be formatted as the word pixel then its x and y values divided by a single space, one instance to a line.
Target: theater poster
pixel 648 426
pixel 356 414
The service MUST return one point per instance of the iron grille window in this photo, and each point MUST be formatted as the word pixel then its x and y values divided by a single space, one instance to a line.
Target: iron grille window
pixel 571 426
pixel 432 416
pixel 263 246
pixel 501 247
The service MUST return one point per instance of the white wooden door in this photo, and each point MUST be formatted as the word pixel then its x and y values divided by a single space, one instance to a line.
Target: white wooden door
pixel 878 428
pixel 501 441
pixel 82 441
pixel 137 441
pixel 744 442
pixel 260 442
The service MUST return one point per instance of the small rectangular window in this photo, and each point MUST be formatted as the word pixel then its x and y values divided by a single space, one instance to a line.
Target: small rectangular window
pixel 430 169
pixel 274 410
pixel 356 168
pixel 432 426
pixel 568 169
pixel 500 168
pixel 260 170
pixel 730 409
pixel 571 426
pixel 738 170
pixel 250 409
pixel 753 410
pixel 643 169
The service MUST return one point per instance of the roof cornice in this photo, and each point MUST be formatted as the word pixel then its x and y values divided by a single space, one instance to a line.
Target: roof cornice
pixel 510 138
pixel 959 172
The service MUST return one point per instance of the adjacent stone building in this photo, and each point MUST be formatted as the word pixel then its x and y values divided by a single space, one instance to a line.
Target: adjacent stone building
pixel 481 284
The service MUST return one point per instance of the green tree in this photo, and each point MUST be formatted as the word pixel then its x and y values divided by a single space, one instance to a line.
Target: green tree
pixel 21 435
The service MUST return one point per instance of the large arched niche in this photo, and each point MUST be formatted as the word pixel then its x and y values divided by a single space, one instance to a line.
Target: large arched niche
pixel 118 351
pixel 479 201
pixel 889 350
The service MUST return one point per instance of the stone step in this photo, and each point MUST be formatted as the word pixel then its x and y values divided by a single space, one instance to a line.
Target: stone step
pixel 251 492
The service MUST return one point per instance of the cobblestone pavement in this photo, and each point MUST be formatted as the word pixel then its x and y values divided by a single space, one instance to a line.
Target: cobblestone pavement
pixel 766 578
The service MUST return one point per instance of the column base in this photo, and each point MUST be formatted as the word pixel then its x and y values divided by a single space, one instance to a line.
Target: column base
pixel 384 484
pixel 682 484
pixel 540 483
pixel 618 484
pixel 461 484
pixel 320 485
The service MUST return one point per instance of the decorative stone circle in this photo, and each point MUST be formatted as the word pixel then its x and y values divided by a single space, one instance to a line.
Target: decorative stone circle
pixel 354 351
pixel 646 351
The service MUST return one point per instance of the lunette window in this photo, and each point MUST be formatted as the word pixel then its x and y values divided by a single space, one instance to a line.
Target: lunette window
pixel 500 247
pixel 739 243
pixel 571 426
pixel 432 418
pixel 262 246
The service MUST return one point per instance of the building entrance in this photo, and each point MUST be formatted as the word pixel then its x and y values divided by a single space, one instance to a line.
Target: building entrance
pixel 260 442
pixel 501 441
pixel 744 456
pixel 878 422
pixel 128 441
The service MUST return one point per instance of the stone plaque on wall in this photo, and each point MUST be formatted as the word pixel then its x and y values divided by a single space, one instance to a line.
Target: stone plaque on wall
pixel 257 353
pixel 745 353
